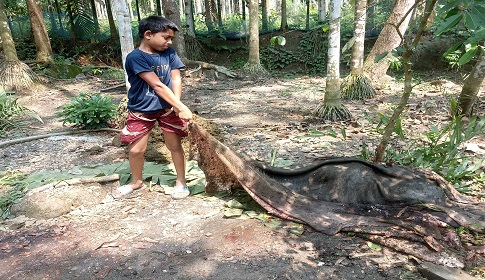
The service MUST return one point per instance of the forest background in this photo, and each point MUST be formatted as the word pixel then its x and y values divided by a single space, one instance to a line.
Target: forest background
pixel 68 39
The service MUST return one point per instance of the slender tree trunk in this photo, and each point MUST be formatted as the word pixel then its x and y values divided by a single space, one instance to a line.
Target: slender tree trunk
pixel 332 108
pixel 171 11
pixel 41 37
pixel 307 20
pixel 122 12
pixel 388 40
pixel 408 87
pixel 357 85
pixel 471 87
pixel 51 17
pixel 95 16
pixel 138 14
pixel 158 7
pixel 111 21
pixel 322 10
pixel 219 13
pixel 13 73
pixel 58 10
pixel 253 66
pixel 71 19
pixel 189 18
pixel 284 18
pixel 209 15
pixel 264 15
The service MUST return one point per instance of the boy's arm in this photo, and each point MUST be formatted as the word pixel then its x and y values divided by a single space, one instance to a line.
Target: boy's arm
pixel 176 82
pixel 168 95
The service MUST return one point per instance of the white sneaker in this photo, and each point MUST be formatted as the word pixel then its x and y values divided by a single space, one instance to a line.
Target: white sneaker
pixel 180 192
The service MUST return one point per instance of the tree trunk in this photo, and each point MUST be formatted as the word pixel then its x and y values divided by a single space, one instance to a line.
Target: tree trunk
pixel 58 10
pixel 111 21
pixel 41 37
pixel 124 26
pixel 388 40
pixel 284 18
pixel 264 15
pixel 95 17
pixel 13 73
pixel 322 10
pixel 138 14
pixel 189 18
pixel 307 18
pixel 253 66
pixel 171 11
pixel 209 14
pixel 357 85
pixel 471 87
pixel 71 19
pixel 332 108
pixel 408 87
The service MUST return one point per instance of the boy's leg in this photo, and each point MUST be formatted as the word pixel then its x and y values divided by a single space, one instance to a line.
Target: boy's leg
pixel 137 159
pixel 174 145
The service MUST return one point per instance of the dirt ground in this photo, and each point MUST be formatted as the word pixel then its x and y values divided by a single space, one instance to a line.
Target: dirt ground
pixel 151 236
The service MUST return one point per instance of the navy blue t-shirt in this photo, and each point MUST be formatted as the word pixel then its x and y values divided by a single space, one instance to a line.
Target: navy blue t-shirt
pixel 141 97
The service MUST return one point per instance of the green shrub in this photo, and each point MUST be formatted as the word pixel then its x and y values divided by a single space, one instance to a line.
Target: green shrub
pixel 12 115
pixel 88 111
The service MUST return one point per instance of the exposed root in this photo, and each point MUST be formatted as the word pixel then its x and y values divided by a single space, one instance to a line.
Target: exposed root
pixel 206 65
pixel 357 87
pixel 333 113
pixel 255 70
pixel 16 74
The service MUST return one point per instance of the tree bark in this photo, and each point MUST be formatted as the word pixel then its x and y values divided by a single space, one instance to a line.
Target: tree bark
pixel 332 108
pixel 189 18
pixel 388 130
pixel 13 73
pixel 39 30
pixel 124 26
pixel 171 11
pixel 388 40
pixel 253 66
pixel 357 85
pixel 284 18
pixel 471 87
pixel 111 21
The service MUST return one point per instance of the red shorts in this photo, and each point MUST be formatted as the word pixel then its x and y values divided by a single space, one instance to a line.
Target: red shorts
pixel 139 124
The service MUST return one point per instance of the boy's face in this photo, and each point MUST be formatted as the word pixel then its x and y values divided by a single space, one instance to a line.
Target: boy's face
pixel 160 41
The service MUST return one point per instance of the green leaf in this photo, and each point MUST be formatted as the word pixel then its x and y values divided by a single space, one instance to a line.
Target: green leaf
pixel 470 22
pixel 233 212
pixel 452 49
pixel 373 246
pixel 349 44
pixel 477 36
pixel 380 56
pixel 465 58
pixel 448 24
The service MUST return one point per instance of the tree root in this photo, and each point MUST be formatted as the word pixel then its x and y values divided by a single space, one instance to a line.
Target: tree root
pixel 333 113
pixel 357 87
pixel 193 48
pixel 16 74
pixel 206 65
pixel 255 69
pixel 36 137
pixel 77 181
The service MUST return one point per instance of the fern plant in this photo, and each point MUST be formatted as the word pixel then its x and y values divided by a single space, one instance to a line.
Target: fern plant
pixel 13 115
pixel 88 111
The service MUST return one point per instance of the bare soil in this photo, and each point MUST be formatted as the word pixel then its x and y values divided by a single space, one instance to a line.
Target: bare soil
pixel 151 236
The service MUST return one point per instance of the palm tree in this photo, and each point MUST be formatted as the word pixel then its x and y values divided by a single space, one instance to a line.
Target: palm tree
pixel 357 85
pixel 39 30
pixel 253 66
pixel 332 108
pixel 13 73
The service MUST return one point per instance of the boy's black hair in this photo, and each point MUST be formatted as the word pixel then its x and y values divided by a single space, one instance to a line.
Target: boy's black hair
pixel 155 24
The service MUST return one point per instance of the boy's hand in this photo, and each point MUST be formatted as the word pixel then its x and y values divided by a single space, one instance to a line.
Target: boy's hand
pixel 184 113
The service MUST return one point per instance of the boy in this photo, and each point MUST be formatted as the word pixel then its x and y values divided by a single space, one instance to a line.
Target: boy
pixel 153 71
